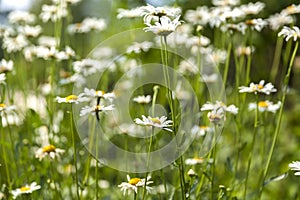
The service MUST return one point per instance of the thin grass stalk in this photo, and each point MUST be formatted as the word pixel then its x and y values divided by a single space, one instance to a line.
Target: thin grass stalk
pixel 278 124
pixel 252 147
pixel 276 60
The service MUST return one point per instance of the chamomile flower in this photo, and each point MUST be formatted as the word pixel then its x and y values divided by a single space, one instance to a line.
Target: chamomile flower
pixel 295 166
pixel 14 44
pixel 87 25
pixel 91 93
pixel 66 54
pixel 265 106
pixel 6 66
pixel 95 109
pixel 252 8
pixel 87 66
pixel 200 16
pixel 27 189
pixel 21 17
pixel 292 9
pixel 164 27
pixel 139 47
pixel 155 14
pixel 217 115
pixel 72 99
pixel 278 20
pixel 158 122
pixel 30 31
pixel 194 161
pixel 288 33
pixel 256 24
pixel 199 131
pixel 225 2
pixel 48 150
pixel 6 109
pixel 133 184
pixel 244 50
pixel 142 99
pixel 53 12
pixel 261 87
pixel 220 105
pixel 132 13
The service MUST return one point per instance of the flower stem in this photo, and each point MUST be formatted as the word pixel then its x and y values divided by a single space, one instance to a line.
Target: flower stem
pixel 74 155
pixel 252 147
pixel 278 124
pixel 275 65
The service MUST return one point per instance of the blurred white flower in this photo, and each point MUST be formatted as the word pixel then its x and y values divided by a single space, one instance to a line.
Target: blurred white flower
pixel 142 99
pixel 256 24
pixel 53 12
pixel 292 9
pixel 225 2
pixel 132 13
pixel 232 28
pixel 30 31
pixel 95 109
pixel 87 66
pixel 244 50
pixel 48 150
pixel 71 99
pixel 200 16
pixel 66 1
pixel 27 189
pixel 199 131
pixel 288 33
pixel 216 56
pixel 295 166
pixel 164 27
pixel 155 14
pixel 87 25
pixel 91 93
pixel 158 122
pixel 258 88
pixel 139 47
pixel 194 161
pixel 211 78
pixel 220 105
pixel 47 41
pixel 2 79
pixel 14 44
pixel 265 106
pixel 278 20
pixel 6 66
pixel 134 183
pixel 66 54
pixel 21 17
pixel 252 8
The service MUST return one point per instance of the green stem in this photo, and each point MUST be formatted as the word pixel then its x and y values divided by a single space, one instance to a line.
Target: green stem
pixel 252 147
pixel 278 124
pixel 74 155
pixel 276 60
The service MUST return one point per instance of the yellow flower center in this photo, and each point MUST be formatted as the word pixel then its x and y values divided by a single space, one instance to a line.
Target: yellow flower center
pixel 98 108
pixel 134 181
pixel 249 22
pixel 156 120
pixel 2 105
pixel 71 97
pixel 99 93
pixel 197 159
pixel 25 188
pixel 263 104
pixel 203 127
pixel 78 25
pixel 49 149
pixel 260 87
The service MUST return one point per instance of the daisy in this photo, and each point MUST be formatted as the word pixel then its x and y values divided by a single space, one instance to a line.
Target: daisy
pixel 87 66
pixel 231 28
pixel 191 173
pixel 216 115
pixel 48 150
pixel 295 166
pixel 155 14
pixel 6 109
pixel 53 12
pixel 30 31
pixel 6 66
pixel 71 99
pixel 14 44
pixel 242 50
pixel 292 9
pixel 188 67
pixel 45 53
pixel 216 56
pixel 47 41
pixel 258 88
pixel 164 27
pixel 265 106
pixel 142 99
pixel 87 25
pixel 134 183
pixel 27 189
pixel 288 33
pixel 139 47
pixel 200 130
pixel 200 16
pixel 194 161
pixel 95 109
pixel 225 2
pixel 256 24
pixel 211 78
pixel 220 105
pixel 66 54
pixel 21 17
pixel 252 8
pixel 132 13
pixel 91 93
pixel 278 20
pixel 157 122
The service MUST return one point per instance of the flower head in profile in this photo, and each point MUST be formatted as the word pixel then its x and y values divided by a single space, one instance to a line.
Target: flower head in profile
pixel 6 66
pixel 6 109
pixel 256 24
pixel 164 27
pixel 295 166
pixel 219 104
pixel 132 13
pixel 158 122
pixel 48 150
pixel 139 47
pixel 91 93
pixel 95 109
pixel 155 14
pixel 27 189
pixel 194 161
pixel 265 106
pixel 261 87
pixel 133 184
pixel 289 33
pixel 71 99
pixel 142 99
pixel 278 20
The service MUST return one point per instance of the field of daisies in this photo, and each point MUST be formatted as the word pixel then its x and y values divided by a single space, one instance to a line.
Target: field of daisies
pixel 144 100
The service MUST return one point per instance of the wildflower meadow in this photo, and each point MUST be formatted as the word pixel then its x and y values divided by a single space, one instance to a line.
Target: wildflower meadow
pixel 151 99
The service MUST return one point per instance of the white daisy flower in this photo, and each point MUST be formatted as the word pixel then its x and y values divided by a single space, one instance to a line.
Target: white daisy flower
pixel 6 109
pixel 194 161
pixel 21 17
pixel 139 47
pixel 67 1
pixel 200 16
pixel 30 31
pixel 242 50
pixel 53 12
pixel 220 105
pixel 225 2
pixel 91 93
pixel 134 183
pixel 256 24
pixel 258 88
pixel 45 53
pixel 87 66
pixel 199 131
pixel 6 66
pixel 211 78
pixel 191 173
pixel 231 28
pixel 288 33
pixel 27 189
pixel 66 54
pixel 132 13
pixel 158 122
pixel 87 25
pixel 95 109
pixel 295 166
pixel 278 20
pixel 252 8
pixel 216 115
pixel 265 106
pixel 216 56
pixel 72 99
pixel 48 150
pixel 142 99
pixel 155 14
pixel 164 27
pixel 47 41
pixel 14 44
pixel 292 9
